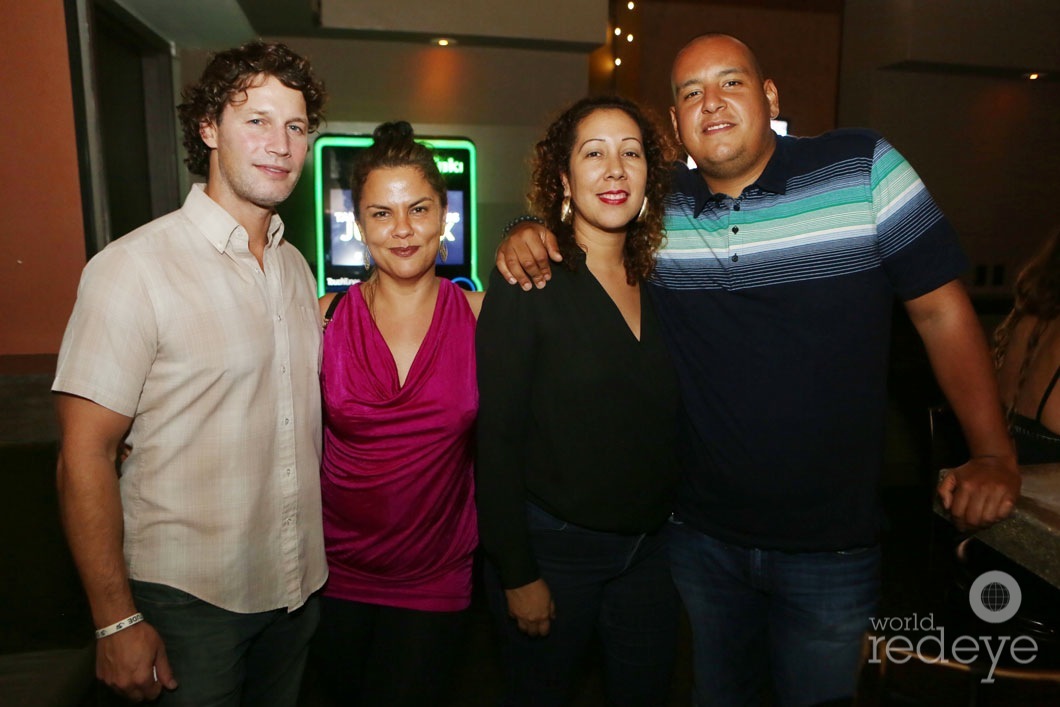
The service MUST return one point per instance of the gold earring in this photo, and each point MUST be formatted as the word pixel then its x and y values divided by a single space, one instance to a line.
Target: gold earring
pixel 367 258
pixel 443 251
pixel 643 210
pixel 565 211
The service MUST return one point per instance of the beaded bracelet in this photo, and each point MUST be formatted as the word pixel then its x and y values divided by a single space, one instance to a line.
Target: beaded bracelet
pixel 120 626
pixel 518 220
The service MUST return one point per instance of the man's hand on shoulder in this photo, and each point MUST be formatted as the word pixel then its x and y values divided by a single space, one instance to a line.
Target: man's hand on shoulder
pixel 523 257
pixel 980 492
pixel 133 663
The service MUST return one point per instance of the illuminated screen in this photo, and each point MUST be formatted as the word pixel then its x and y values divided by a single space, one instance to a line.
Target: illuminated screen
pixel 340 249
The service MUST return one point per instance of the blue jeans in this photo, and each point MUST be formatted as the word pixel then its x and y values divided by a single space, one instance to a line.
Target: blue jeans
pixel 615 586
pixel 221 658
pixel 794 619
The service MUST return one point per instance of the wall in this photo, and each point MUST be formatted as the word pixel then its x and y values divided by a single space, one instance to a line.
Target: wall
pixel 986 144
pixel 42 246
pixel 495 97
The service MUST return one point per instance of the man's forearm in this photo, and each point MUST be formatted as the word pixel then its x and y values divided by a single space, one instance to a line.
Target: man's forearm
pixel 90 508
pixel 960 359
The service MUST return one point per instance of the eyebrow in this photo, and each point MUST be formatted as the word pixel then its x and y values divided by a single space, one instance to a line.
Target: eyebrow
pixel 719 74
pixel 419 201
pixel 600 139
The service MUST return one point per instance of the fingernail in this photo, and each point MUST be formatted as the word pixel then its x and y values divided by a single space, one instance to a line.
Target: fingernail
pixel 526 287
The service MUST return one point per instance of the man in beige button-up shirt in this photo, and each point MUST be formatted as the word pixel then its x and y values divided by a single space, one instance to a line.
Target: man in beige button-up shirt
pixel 196 340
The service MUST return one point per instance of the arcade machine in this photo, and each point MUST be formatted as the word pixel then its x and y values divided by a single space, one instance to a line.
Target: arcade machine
pixel 340 250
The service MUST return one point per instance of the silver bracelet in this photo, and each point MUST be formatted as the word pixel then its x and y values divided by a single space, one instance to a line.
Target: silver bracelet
pixel 120 626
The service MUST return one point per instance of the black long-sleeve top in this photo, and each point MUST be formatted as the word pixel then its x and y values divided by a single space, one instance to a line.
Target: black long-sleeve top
pixel 575 415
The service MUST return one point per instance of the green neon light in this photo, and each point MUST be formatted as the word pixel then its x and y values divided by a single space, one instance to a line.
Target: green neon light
pixel 447 166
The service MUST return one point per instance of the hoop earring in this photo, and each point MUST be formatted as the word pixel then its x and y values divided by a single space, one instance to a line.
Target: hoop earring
pixel 643 210
pixel 565 211
pixel 443 251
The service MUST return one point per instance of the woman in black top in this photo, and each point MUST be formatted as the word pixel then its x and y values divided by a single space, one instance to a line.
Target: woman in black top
pixel 578 420
pixel 1027 354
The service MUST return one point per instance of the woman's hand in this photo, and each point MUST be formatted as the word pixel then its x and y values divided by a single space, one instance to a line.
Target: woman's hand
pixel 532 608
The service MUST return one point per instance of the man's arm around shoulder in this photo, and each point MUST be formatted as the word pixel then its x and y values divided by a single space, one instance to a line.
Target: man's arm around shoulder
pixel 91 512
pixel 985 489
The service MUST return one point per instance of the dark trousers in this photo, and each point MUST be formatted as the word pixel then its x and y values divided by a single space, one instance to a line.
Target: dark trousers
pixel 224 659
pixel 796 618
pixel 373 655
pixel 617 587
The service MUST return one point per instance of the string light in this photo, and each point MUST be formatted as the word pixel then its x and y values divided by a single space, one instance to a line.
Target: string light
pixel 630 5
pixel 629 37
pixel 618 61
pixel 618 31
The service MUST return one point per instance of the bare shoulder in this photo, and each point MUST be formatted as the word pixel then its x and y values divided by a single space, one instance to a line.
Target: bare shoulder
pixel 475 300
pixel 325 302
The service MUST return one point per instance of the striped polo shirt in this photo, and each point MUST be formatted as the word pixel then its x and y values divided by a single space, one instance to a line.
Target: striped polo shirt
pixel 777 306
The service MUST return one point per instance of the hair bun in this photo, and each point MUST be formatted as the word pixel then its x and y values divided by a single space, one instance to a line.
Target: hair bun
pixel 396 132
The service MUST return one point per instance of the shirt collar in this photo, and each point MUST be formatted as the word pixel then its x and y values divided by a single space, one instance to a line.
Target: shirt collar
pixel 217 225
pixel 774 177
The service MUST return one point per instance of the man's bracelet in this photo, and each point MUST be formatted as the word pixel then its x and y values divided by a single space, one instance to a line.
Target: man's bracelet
pixel 120 626
pixel 518 220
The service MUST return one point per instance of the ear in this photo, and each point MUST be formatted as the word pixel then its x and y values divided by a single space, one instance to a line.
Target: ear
pixel 566 184
pixel 773 97
pixel 208 133
pixel 673 122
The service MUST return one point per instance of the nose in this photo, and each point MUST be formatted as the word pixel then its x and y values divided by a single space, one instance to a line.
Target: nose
pixel 712 101
pixel 402 225
pixel 616 169
pixel 280 141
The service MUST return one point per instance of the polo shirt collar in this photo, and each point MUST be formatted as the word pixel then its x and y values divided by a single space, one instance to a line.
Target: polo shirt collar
pixel 217 225
pixel 774 177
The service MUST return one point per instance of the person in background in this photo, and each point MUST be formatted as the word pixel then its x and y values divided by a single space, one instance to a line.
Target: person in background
pixel 775 291
pixel 195 340
pixel 1027 356
pixel 398 386
pixel 577 424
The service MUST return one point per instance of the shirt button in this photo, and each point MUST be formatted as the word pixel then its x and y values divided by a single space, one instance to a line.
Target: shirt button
pixel 735 258
pixel 283 369
pixel 736 206
pixel 735 229
pixel 279 317
pixel 286 421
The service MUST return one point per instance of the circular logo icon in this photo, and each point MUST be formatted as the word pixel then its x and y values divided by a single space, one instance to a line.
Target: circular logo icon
pixel 995 596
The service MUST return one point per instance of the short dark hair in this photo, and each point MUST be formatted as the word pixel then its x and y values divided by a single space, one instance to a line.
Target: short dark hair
pixel 552 157
pixel 232 72
pixel 395 146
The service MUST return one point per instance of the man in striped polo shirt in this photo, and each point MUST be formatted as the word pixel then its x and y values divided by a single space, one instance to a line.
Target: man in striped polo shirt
pixel 775 289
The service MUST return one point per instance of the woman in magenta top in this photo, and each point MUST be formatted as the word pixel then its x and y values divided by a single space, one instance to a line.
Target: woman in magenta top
pixel 400 399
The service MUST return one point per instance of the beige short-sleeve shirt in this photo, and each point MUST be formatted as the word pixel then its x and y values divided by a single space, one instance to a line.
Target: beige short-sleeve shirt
pixel 217 362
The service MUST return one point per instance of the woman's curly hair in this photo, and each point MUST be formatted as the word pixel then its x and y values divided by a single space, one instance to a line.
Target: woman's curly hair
pixel 552 160
pixel 232 72
pixel 394 145
pixel 1037 294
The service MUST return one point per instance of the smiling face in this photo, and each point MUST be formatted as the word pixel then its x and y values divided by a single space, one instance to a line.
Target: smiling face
pixel 258 147
pixel 402 221
pixel 721 112
pixel 607 173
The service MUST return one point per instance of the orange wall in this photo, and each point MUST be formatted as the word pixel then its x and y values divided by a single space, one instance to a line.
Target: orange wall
pixel 42 244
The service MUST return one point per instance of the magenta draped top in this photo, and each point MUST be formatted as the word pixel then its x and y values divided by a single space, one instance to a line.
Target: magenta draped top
pixel 396 477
